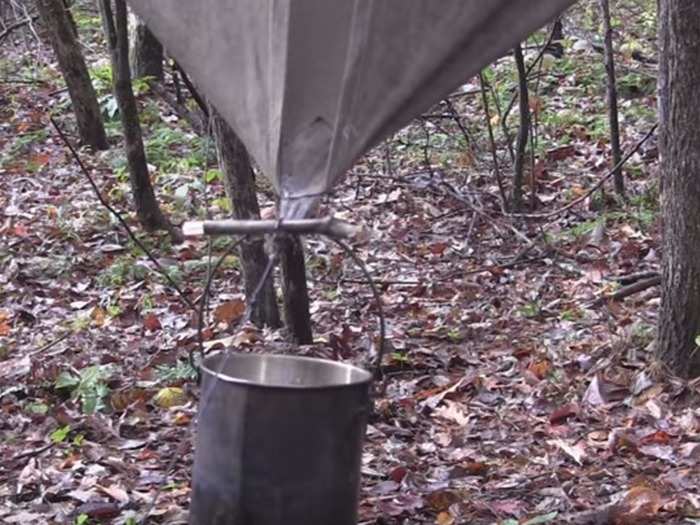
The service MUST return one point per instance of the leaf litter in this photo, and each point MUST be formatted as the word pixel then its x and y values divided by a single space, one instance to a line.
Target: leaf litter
pixel 512 394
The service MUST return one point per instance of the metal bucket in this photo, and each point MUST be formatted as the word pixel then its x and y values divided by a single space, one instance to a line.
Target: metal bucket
pixel 279 441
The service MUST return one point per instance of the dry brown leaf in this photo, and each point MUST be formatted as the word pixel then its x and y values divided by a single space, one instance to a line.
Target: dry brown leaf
pixel 445 518
pixel 641 504
pixel 230 311
pixel 452 411
pixel 98 316
pixel 151 322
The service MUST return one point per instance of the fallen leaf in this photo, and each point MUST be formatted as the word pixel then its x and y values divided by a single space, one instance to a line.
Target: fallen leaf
pixel 15 368
pixel 576 452
pixel 116 493
pixel 659 437
pixel 452 411
pixel 440 500
pixel 664 452
pixel 640 504
pixel 151 322
pixel 230 311
pixel 169 397
pixel 100 510
pixel 98 316
pixel 540 369
pixel 601 392
pixel 445 518
pixel 561 153
pixel 563 413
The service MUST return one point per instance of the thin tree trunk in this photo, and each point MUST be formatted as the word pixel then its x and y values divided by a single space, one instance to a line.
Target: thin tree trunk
pixel 62 35
pixel 523 130
pixel 147 209
pixel 612 98
pixel 240 188
pixel 679 315
pixel 492 142
pixel 146 54
pixel 296 295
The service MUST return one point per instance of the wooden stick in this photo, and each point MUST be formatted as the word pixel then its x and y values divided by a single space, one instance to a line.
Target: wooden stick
pixel 329 226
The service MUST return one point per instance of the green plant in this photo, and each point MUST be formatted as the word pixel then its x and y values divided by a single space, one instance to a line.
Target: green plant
pixel 530 310
pixel 60 434
pixel 88 386
pixel 123 270
pixel 180 371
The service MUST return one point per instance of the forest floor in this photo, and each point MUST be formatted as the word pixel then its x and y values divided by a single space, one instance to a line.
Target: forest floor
pixel 517 389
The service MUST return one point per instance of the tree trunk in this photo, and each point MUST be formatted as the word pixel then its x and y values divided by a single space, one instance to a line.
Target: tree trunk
pixel 65 44
pixel 679 76
pixel 296 295
pixel 240 188
pixel 523 130
pixel 146 54
pixel 147 209
pixel 612 98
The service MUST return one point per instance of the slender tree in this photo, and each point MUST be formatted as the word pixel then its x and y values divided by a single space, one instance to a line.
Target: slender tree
pixel 146 52
pixel 523 130
pixel 294 289
pixel 115 27
pixel 62 35
pixel 612 97
pixel 679 112
pixel 240 188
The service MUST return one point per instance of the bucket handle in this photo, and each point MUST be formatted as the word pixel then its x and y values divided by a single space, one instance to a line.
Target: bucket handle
pixel 381 319
pixel 375 369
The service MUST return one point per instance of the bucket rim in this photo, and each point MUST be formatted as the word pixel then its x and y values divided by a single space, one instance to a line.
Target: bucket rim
pixel 365 375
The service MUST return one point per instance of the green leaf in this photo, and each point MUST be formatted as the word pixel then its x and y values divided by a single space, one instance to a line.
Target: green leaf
pixel 211 175
pixel 545 518
pixel 60 434
pixel 82 519
pixel 66 380
pixel 38 408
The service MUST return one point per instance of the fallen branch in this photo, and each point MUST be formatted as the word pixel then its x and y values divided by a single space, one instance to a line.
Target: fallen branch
pixel 602 181
pixel 634 288
pixel 329 226
pixel 634 277
pixel 17 25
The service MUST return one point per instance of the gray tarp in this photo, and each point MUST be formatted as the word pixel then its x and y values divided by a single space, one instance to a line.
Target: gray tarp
pixel 310 85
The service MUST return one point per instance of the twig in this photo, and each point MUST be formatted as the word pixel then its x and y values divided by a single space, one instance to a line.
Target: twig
pixel 17 25
pixel 32 452
pixel 602 181
pixel 631 289
pixel 328 226
pixel 119 218
pixel 51 344
pixel 634 277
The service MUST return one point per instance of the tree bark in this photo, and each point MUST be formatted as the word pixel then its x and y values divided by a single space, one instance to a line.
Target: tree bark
pixel 523 130
pixel 116 32
pixel 296 295
pixel 679 315
pixel 146 54
pixel 62 35
pixel 240 188
pixel 612 98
